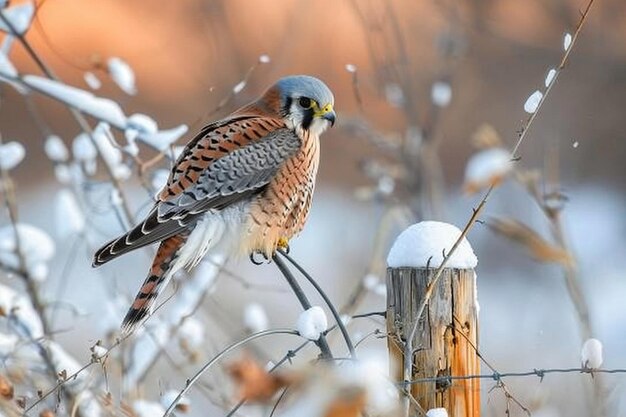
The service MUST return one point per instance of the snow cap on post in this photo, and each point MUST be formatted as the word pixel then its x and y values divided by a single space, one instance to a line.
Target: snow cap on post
pixel 426 243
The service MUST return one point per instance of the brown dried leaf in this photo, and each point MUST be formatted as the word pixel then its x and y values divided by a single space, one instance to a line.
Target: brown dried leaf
pixel 6 388
pixel 539 248
pixel 255 383
pixel 485 137
pixel 347 405
pixel 47 413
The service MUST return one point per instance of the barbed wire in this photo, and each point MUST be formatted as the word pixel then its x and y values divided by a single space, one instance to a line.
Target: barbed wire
pixel 498 376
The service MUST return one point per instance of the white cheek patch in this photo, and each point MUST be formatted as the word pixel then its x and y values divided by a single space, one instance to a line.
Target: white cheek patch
pixel 318 126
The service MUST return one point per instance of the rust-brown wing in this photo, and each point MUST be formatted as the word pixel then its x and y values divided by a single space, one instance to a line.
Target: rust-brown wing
pixel 227 162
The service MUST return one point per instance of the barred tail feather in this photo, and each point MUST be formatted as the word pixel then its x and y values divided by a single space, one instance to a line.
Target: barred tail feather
pixel 163 267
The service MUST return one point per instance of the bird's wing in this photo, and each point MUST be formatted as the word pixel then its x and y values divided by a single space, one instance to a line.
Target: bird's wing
pixel 226 163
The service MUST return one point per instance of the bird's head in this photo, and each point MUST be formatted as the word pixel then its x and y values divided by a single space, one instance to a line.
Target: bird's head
pixel 305 103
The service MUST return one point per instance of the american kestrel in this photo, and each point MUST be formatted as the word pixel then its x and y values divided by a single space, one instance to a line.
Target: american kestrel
pixel 242 185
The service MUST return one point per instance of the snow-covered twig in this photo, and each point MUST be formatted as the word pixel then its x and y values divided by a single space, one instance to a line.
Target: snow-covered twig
pixel 329 303
pixel 78 116
pixel 304 301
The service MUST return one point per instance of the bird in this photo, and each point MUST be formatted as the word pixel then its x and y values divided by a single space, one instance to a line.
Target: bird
pixel 242 186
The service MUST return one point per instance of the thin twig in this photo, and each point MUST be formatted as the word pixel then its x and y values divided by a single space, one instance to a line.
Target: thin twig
pixel 219 356
pixel 329 303
pixel 304 301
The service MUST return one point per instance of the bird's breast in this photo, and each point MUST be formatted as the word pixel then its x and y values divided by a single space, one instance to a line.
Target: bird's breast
pixel 280 212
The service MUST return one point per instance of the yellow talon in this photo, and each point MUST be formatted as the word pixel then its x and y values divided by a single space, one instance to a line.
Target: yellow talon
pixel 283 243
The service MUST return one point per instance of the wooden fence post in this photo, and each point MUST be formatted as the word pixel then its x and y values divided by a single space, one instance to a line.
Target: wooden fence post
pixel 447 333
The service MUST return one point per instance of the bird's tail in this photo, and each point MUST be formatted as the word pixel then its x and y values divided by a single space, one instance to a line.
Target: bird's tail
pixel 160 273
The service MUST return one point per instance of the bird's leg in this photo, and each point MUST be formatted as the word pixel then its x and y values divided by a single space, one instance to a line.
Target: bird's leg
pixel 283 243
pixel 255 260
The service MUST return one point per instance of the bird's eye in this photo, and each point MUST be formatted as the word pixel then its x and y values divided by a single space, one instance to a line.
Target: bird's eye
pixel 305 102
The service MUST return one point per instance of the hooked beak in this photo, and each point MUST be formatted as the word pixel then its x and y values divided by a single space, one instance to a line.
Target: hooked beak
pixel 330 116
pixel 327 113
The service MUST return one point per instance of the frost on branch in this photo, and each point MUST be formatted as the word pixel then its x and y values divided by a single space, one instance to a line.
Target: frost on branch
pixel 11 154
pixel 437 412
pixel 532 102
pixel 486 168
pixel 424 244
pixel 122 74
pixel 591 354
pixel 101 108
pixel 254 318
pixel 20 16
pixel 312 323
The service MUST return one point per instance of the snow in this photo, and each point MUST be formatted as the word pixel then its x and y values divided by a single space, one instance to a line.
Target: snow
pixel 437 412
pixel 239 87
pixel 163 139
pixel 110 153
pixel 575 144
pixel 441 93
pixel 486 167
pixel 312 322
pixel 35 245
pixel 38 271
pixel 63 174
pixel 591 354
pixel 6 67
pixel 20 16
pixel 370 373
pixel 567 41
pixel 254 318
pixel 92 80
pixel 83 148
pixel 426 241
pixel 370 281
pixel 394 95
pixel 142 123
pixel 351 68
pixel 11 154
pixel 101 108
pixel 70 220
pixel 63 360
pixel 143 408
pixel 550 76
pixel 99 351
pixel 532 102
pixel 8 343
pixel 264 59
pixel 191 332
pixel 55 149
pixel 169 397
pixel 13 303
pixel 122 74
